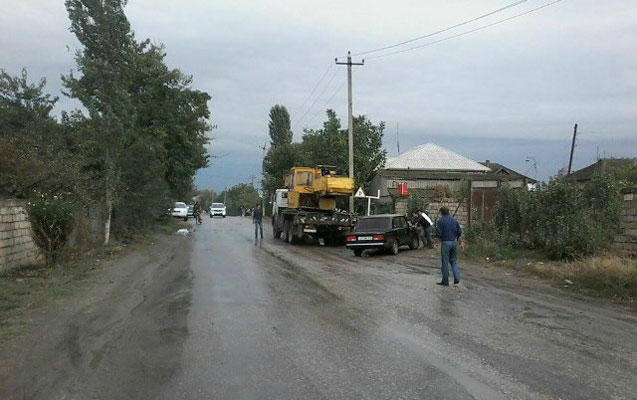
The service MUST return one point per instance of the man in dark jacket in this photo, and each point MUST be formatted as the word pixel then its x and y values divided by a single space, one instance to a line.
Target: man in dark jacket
pixel 257 220
pixel 448 229
pixel 424 227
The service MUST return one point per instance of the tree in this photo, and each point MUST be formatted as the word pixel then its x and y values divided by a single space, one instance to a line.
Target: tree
pixel 35 155
pixel 279 126
pixel 239 196
pixel 139 111
pixel 104 64
pixel 206 197
pixel 329 146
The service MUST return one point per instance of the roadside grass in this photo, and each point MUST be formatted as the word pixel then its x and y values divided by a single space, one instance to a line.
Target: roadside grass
pixel 605 276
pixel 32 287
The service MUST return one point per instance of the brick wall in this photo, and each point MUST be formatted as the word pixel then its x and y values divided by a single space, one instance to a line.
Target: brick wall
pixel 626 240
pixel 16 245
pixel 434 207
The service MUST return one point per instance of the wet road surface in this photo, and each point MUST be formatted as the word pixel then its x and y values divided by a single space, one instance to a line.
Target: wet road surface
pixel 214 316
pixel 275 321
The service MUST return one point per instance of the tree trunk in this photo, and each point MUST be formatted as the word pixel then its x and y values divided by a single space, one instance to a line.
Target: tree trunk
pixel 109 212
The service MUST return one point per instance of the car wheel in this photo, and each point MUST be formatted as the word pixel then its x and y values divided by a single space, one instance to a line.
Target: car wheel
pixel 415 243
pixel 393 247
pixel 358 252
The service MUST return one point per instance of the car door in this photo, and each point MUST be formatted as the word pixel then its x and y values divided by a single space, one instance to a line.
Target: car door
pixel 398 225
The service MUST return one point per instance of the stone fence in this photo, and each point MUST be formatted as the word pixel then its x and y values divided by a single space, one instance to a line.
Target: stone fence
pixel 626 239
pixel 456 209
pixel 16 244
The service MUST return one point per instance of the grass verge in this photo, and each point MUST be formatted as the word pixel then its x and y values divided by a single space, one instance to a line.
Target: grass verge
pixel 603 276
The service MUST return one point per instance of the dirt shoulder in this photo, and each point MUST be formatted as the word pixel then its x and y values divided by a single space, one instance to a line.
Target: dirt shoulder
pixel 56 325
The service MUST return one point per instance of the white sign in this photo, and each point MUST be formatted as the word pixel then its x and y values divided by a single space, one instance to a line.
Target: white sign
pixel 360 193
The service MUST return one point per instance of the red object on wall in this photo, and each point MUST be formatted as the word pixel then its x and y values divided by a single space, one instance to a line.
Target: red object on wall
pixel 403 190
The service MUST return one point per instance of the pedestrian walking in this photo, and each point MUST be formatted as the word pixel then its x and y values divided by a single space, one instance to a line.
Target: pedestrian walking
pixel 448 229
pixel 425 225
pixel 257 220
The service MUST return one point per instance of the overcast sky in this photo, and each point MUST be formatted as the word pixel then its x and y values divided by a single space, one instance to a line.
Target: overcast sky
pixel 504 93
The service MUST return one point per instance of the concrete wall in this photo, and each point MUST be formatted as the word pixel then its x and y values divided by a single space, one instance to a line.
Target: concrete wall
pixel 626 240
pixel 16 245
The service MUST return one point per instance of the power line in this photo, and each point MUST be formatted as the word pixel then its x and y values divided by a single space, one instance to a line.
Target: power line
pixel 298 111
pixel 517 3
pixel 338 89
pixel 466 32
pixel 318 98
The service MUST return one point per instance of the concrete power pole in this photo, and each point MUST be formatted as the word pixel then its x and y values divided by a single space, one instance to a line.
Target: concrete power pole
pixel 350 120
pixel 570 159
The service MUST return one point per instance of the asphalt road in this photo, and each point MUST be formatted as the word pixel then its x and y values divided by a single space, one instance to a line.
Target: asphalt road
pixel 215 316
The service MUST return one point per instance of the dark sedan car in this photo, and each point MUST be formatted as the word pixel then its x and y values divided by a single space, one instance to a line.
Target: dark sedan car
pixel 382 232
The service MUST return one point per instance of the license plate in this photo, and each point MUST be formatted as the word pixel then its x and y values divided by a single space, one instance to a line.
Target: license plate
pixel 365 238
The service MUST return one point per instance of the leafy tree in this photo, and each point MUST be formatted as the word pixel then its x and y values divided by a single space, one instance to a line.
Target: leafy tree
pixel 139 110
pixel 279 126
pixel 329 146
pixel 206 197
pixel 277 165
pixel 239 196
pixel 104 63
pixel 35 155
pixel 173 113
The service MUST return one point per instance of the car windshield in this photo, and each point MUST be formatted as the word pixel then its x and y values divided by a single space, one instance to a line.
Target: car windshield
pixel 217 205
pixel 373 224
pixel 180 205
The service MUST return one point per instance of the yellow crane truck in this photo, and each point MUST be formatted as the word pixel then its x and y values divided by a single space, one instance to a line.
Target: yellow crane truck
pixel 306 208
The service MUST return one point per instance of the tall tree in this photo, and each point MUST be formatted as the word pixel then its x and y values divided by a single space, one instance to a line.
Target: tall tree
pixel 104 63
pixel 279 126
pixel 282 154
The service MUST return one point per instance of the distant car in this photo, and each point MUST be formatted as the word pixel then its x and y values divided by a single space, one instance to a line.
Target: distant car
pixel 217 210
pixel 382 232
pixel 191 211
pixel 180 210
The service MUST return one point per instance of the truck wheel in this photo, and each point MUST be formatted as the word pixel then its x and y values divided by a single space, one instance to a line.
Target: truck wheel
pixel 358 252
pixel 393 247
pixel 415 243
pixel 276 233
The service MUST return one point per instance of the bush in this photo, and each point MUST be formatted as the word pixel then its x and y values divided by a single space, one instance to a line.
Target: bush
pixel 51 224
pixel 564 218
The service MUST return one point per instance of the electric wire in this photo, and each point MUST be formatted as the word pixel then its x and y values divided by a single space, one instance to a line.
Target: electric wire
pixel 298 111
pixel 317 98
pixel 338 89
pixel 464 33
pixel 517 3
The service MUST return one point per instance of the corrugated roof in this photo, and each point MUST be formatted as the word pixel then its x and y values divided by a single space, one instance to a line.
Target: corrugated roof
pixel 431 157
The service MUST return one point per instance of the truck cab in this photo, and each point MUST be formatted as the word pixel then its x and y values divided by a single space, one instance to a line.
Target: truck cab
pixel 280 201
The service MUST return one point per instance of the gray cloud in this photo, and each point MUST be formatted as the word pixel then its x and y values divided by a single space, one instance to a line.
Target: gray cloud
pixel 503 93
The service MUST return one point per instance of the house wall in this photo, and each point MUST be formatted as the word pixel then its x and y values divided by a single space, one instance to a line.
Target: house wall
pixel 626 240
pixel 16 244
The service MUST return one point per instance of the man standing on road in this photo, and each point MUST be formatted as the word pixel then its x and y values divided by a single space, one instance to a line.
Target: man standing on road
pixel 257 220
pixel 448 229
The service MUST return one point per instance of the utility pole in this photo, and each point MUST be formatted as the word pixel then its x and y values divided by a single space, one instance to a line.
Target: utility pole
pixel 350 119
pixel 252 177
pixel 570 160
pixel 265 145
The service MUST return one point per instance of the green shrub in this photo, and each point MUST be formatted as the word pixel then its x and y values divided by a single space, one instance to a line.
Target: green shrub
pixel 564 218
pixel 51 224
